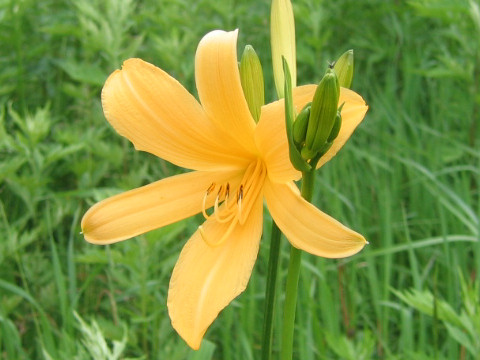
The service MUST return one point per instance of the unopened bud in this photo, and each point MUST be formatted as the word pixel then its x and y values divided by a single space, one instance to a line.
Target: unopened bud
pixel 282 37
pixel 251 76
pixel 344 69
pixel 300 126
pixel 324 149
pixel 336 125
pixel 322 114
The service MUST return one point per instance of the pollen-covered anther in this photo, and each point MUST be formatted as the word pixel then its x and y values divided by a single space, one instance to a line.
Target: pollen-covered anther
pixel 221 213
pixel 204 202
pixel 239 201
pixel 227 193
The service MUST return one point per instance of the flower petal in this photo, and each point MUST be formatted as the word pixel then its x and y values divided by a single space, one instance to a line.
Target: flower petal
pixel 149 207
pixel 353 113
pixel 206 279
pixel 271 135
pixel 219 87
pixel 156 113
pixel 308 228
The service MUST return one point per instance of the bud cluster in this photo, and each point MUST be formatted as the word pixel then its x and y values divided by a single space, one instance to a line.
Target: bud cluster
pixel 317 125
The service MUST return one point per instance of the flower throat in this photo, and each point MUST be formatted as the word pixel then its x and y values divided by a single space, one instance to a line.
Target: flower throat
pixel 233 203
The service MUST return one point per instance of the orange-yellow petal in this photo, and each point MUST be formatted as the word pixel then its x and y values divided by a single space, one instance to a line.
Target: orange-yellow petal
pixel 271 135
pixel 219 87
pixel 206 279
pixel 149 207
pixel 157 114
pixel 306 227
pixel 353 113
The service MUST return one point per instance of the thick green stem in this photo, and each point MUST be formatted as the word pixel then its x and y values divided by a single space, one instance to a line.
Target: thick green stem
pixel 292 279
pixel 270 292
pixel 308 180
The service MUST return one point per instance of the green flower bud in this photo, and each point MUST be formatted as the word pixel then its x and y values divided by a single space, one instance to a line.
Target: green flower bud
pixel 322 113
pixel 344 69
pixel 300 126
pixel 324 149
pixel 251 76
pixel 337 125
pixel 282 38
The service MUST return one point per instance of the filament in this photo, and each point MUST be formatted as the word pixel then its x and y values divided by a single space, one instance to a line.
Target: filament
pixel 222 239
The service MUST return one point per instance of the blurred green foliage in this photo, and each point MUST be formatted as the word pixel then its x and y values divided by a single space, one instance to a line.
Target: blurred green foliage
pixel 408 180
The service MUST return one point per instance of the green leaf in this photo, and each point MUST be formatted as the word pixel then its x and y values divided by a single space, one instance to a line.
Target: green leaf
pixel 85 73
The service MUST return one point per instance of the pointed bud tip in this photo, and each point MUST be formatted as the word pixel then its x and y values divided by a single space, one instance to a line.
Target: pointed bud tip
pixel 251 77
pixel 344 68
pixel 282 39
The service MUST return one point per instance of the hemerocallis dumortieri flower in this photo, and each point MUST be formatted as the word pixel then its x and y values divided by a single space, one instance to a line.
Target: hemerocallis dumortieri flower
pixel 237 164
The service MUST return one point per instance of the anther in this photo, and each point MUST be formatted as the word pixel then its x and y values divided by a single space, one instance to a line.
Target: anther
pixel 240 193
pixel 239 201
pixel 211 188
pixel 204 203
pixel 220 192
pixel 227 192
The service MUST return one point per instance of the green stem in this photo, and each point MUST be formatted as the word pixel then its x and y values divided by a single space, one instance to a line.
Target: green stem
pixel 308 180
pixel 292 279
pixel 270 291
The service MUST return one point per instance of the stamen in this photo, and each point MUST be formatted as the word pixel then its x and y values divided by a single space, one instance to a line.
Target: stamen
pixel 204 204
pixel 234 213
pixel 253 187
pixel 220 192
pixel 216 212
pixel 223 238
pixel 227 192
pixel 240 193
pixel 239 202
pixel 211 188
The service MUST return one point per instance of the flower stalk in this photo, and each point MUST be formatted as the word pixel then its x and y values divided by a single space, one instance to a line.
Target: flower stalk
pixel 270 291
pixel 308 179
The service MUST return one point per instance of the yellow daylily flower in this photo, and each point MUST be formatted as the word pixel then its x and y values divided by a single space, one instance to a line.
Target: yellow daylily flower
pixel 237 163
